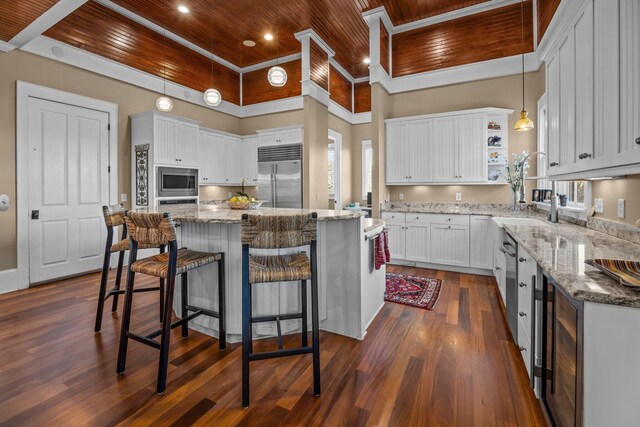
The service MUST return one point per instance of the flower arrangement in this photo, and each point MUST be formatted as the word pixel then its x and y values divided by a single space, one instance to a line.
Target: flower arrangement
pixel 515 173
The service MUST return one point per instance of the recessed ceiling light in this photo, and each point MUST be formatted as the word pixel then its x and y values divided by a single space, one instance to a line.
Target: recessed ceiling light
pixel 268 36
pixel 249 43
pixel 366 61
pixel 183 9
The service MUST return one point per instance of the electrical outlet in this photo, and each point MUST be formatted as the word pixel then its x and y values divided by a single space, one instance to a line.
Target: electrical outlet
pixel 599 205
pixel 230 194
pixel 620 208
pixel 458 197
pixel 123 197
pixel 401 196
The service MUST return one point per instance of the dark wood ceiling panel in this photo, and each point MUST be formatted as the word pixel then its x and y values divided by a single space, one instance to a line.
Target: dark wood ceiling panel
pixel 361 97
pixel 256 87
pixel 480 37
pixel 319 64
pixel 384 48
pixel 403 11
pixel 338 22
pixel 340 88
pixel 546 10
pixel 101 31
pixel 16 15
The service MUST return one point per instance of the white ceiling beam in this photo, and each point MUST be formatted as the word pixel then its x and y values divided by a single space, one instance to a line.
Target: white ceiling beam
pixel 6 47
pixel 45 21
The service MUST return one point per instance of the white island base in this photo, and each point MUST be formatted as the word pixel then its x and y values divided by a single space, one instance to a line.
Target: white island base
pixel 351 291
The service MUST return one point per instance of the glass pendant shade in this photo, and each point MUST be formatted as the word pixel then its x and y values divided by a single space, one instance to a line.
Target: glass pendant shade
pixel 525 123
pixel 212 97
pixel 277 76
pixel 164 104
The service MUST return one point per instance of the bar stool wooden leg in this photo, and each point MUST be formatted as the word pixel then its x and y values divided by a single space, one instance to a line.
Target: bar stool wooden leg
pixel 103 287
pixel 315 321
pixel 222 334
pixel 165 336
pixel 303 297
pixel 184 296
pixel 246 327
pixel 114 305
pixel 126 314
pixel 161 292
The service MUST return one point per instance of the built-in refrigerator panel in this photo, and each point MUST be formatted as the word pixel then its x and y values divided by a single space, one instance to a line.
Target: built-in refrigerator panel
pixel 288 184
pixel 265 183
pixel 280 175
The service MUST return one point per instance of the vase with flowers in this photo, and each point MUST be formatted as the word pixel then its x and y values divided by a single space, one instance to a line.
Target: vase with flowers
pixel 515 173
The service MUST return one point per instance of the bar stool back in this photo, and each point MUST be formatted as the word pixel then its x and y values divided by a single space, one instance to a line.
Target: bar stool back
pixel 159 229
pixel 279 232
pixel 114 217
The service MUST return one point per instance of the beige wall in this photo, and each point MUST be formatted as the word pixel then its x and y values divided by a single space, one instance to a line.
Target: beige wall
pixel 381 108
pixel 18 65
pixel 346 130
pixel 315 193
pixel 504 92
pixel 359 133
pixel 250 125
pixel 612 190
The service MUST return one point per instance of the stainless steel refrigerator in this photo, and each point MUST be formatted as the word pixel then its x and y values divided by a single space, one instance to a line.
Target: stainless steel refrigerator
pixel 280 175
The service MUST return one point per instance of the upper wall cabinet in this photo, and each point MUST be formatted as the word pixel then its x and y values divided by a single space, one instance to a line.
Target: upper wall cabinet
pixel 593 92
pixel 173 140
pixel 226 159
pixel 280 136
pixel 441 148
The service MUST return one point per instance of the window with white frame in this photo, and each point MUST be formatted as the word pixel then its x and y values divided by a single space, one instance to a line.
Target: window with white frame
pixel 367 168
pixel 332 170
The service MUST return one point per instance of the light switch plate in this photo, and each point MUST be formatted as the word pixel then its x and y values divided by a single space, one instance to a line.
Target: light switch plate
pixel 458 197
pixel 123 197
pixel 401 196
pixel 599 205
pixel 620 208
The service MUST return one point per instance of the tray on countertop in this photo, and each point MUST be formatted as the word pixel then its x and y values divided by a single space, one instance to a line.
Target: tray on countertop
pixel 626 272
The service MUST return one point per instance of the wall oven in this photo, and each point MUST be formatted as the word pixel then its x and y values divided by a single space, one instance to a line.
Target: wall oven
pixel 177 182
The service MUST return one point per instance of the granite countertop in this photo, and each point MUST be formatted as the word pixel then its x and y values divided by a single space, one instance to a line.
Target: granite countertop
pixel 460 209
pixel 372 223
pixel 561 249
pixel 222 214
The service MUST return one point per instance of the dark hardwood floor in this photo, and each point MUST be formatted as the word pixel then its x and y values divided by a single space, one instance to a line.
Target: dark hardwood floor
pixel 453 366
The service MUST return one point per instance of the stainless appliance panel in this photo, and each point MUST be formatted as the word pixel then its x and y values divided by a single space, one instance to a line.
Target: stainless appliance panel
pixel 510 249
pixel 177 182
pixel 288 189
pixel 265 183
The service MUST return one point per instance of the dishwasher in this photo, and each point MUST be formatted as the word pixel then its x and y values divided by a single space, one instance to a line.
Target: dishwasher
pixel 510 250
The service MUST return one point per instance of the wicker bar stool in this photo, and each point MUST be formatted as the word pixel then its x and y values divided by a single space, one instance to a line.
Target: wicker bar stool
pixel 159 229
pixel 278 232
pixel 113 217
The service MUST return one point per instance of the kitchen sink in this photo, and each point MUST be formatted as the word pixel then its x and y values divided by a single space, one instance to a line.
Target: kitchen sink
pixel 501 221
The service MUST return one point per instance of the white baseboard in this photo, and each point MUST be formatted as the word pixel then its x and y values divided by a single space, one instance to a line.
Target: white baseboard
pixel 455 269
pixel 8 280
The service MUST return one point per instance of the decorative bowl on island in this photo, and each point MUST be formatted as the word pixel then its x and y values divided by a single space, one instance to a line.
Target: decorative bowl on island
pixel 243 202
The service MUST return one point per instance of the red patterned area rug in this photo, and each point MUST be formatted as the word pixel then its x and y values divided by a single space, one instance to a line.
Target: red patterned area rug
pixel 421 292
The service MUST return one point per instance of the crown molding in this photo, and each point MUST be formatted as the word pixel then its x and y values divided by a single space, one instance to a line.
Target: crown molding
pixel 565 15
pixel 271 63
pixel 378 12
pixel 45 21
pixel 270 107
pixel 6 47
pixel 341 70
pixel 311 34
pixel 311 88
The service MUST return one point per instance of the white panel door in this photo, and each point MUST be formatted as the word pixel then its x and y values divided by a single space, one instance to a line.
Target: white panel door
pixel 417 243
pixel 396 241
pixel 629 82
pixel 566 56
pixel 68 185
pixel 419 157
pixel 443 149
pixel 584 88
pixel 553 114
pixel 250 161
pixel 187 144
pixel 234 160
pixel 472 148
pixel 481 242
pixel 397 169
pixel 450 244
pixel 164 144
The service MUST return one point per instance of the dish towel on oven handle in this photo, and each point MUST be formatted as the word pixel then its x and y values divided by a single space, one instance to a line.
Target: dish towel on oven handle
pixel 381 249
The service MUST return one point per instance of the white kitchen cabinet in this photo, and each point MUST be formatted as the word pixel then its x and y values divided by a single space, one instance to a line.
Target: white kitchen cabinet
pixel 233 160
pixel 280 136
pixel 629 81
pixel 250 160
pixel 212 160
pixel 444 149
pixel 397 152
pixel 187 144
pixel 450 244
pixel 566 56
pixel 480 242
pixel 419 157
pixel 553 114
pixel 396 234
pixel 164 140
pixel 417 237
pixel 175 140
pixel 471 155
pixel 584 149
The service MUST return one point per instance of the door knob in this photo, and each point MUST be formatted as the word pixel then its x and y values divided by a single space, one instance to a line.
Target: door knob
pixel 35 214
pixel 497 268
pixel 522 285
pixel 522 314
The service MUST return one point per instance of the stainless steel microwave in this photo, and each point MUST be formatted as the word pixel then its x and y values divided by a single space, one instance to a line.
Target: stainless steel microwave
pixel 177 182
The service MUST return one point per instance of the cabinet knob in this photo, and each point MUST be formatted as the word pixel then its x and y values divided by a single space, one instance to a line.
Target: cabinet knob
pixel 552 164
pixel 497 268
pixel 521 259
pixel 584 156
pixel 638 140
pixel 522 314
pixel 448 219
pixel 522 348
pixel 522 285
pixel 449 226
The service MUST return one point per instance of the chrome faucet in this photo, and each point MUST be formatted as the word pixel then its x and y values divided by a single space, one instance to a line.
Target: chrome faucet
pixel 553 214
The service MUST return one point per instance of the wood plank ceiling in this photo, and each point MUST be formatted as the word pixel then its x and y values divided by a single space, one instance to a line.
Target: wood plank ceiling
pixel 16 15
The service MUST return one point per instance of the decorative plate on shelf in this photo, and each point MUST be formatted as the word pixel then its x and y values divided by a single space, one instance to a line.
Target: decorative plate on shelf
pixel 495 157
pixel 626 272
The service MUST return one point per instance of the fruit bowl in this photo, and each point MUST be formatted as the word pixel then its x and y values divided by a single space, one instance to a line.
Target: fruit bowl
pixel 242 205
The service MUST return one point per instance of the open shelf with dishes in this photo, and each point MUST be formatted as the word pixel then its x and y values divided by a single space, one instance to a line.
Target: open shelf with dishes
pixel 497 147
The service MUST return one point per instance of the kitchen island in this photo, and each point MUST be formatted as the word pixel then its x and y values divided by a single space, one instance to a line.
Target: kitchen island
pixel 350 291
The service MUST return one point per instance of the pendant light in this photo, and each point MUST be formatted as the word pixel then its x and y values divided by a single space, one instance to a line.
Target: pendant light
pixel 277 75
pixel 164 103
pixel 524 123
pixel 212 96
